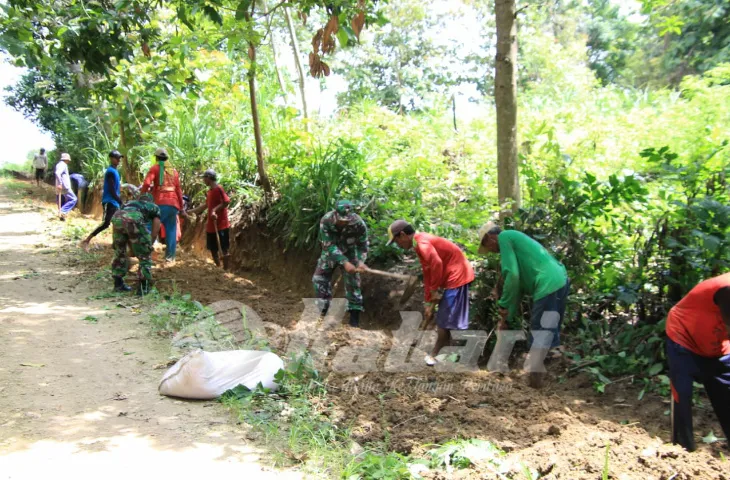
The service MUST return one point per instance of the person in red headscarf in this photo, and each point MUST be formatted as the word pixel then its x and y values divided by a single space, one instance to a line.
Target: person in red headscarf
pixel 163 182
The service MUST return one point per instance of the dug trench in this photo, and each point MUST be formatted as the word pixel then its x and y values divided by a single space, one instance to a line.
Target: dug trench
pixel 565 430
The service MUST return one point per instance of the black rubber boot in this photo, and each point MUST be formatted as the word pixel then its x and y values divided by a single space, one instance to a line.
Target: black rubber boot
pixel 355 318
pixel 324 306
pixel 120 286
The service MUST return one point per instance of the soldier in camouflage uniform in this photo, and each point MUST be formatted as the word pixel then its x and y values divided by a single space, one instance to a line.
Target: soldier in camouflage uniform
pixel 344 239
pixel 130 228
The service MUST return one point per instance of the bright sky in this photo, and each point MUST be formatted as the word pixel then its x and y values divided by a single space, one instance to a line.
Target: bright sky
pixel 18 135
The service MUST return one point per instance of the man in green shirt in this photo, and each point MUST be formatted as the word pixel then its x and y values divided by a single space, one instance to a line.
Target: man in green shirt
pixel 529 269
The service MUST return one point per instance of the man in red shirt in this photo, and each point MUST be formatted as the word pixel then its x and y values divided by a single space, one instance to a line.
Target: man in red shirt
pixel 217 204
pixel 698 349
pixel 446 277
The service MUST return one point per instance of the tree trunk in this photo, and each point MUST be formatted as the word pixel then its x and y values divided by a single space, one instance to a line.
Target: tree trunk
pixel 123 143
pixel 260 162
pixel 297 62
pixel 453 110
pixel 273 49
pixel 505 99
pixel 276 66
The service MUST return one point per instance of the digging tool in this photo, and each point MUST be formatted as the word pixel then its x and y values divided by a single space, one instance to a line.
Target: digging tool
pixel 224 257
pixel 411 282
pixel 671 412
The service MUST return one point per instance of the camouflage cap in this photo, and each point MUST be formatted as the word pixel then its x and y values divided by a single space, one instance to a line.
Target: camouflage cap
pixel 343 210
pixel 146 197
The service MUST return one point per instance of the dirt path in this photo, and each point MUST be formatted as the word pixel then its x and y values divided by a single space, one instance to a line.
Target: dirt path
pixel 81 397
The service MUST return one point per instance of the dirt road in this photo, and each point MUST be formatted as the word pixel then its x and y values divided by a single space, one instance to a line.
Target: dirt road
pixel 80 397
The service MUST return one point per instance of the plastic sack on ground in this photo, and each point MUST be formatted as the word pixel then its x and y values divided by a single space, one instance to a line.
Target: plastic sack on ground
pixel 206 375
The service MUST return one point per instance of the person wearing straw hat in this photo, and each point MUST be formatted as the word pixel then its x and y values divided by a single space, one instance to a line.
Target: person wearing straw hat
pixel 164 182
pixel 447 275
pixel 344 238
pixel 527 268
pixel 218 224
pixel 67 198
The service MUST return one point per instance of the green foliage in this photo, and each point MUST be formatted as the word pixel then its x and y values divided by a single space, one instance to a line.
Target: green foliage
pixel 293 421
pixel 73 231
pixel 697 34
pixel 390 466
pixel 391 68
pixel 464 453
pixel 310 188
pixel 171 313
pixel 612 40
pixel 300 378
pixel 605 473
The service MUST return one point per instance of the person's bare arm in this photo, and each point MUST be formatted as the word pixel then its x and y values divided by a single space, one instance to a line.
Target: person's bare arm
pixel 198 210
pixel 722 300
pixel 220 206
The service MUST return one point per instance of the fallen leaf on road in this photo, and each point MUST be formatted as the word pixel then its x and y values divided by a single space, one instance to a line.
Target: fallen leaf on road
pixel 36 365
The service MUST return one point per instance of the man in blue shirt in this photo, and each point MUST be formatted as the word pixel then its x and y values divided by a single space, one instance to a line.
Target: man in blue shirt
pixel 110 199
pixel 80 187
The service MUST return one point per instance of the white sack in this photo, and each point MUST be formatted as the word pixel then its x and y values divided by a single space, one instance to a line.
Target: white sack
pixel 206 375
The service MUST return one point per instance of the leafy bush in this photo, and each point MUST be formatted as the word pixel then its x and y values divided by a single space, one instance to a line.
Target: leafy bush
pixel 174 312
pixel 389 466
pixel 311 187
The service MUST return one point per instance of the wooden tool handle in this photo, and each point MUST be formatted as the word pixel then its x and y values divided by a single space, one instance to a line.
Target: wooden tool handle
pixel 399 276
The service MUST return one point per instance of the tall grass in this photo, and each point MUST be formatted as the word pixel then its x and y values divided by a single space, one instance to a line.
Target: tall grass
pixel 311 187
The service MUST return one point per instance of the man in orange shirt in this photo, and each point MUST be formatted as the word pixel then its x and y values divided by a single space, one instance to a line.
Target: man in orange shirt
pixel 698 349
pixel 446 277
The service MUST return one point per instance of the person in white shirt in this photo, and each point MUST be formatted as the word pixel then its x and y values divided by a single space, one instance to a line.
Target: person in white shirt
pixel 63 187
pixel 40 162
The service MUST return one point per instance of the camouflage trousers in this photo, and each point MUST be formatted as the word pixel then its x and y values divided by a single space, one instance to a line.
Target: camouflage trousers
pixel 130 229
pixel 322 281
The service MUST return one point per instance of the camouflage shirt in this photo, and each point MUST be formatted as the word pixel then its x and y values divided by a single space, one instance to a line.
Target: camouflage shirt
pixel 345 243
pixel 148 210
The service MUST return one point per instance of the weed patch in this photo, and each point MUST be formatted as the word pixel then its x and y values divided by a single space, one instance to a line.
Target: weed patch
pixel 171 313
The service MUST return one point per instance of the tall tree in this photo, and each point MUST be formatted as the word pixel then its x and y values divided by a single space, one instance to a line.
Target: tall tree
pixel 96 37
pixel 505 99
pixel 297 61
pixel 412 62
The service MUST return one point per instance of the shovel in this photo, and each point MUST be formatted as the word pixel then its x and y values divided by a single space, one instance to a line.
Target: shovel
pixel 411 282
pixel 224 258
